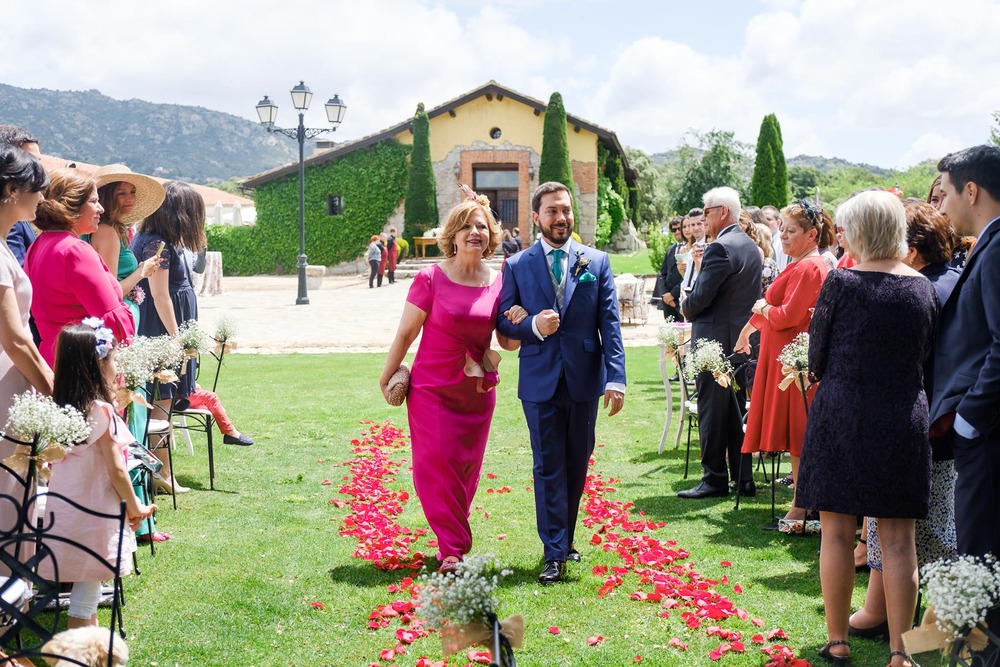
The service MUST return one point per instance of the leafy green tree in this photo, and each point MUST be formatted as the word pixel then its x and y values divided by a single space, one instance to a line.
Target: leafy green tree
pixel 995 130
pixel 652 208
pixel 769 185
pixel 803 181
pixel 420 211
pixel 555 163
pixel 723 162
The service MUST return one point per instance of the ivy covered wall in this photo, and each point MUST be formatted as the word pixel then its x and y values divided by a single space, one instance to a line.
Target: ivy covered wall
pixel 371 182
pixel 614 200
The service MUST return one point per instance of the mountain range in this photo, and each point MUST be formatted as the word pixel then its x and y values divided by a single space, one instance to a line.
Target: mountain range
pixel 186 142
pixel 166 140
pixel 823 164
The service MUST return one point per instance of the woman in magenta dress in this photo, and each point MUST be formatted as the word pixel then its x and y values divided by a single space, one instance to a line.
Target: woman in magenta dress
pixel 451 399
pixel 69 278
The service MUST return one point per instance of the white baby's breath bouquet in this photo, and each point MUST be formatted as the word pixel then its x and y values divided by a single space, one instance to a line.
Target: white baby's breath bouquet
pixel 57 428
pixel 707 356
pixel 462 597
pixel 794 360
pixel 133 364
pixel 165 354
pixel 459 604
pixel 226 331
pixel 193 338
pixel 671 337
pixel 962 589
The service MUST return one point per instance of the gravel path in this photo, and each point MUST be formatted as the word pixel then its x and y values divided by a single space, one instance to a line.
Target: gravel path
pixel 344 315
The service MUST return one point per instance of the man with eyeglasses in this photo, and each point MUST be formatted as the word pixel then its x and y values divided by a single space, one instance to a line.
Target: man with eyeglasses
pixel 728 285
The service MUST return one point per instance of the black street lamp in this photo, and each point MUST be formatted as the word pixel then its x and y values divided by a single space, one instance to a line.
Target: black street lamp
pixel 268 112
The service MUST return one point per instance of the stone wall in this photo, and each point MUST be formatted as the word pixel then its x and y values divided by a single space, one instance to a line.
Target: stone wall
pixel 457 167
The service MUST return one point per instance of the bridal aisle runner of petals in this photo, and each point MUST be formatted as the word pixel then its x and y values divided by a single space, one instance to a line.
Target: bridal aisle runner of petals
pixel 659 571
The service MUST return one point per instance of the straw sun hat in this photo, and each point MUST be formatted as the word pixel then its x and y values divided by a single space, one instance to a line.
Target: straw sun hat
pixel 149 193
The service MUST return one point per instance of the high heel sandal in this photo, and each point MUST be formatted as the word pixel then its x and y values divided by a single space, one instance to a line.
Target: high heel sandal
pixel 449 564
pixel 906 656
pixel 162 485
pixel 840 660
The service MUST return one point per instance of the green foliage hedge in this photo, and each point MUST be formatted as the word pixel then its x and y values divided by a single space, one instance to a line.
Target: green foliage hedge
pixel 371 181
pixel 610 211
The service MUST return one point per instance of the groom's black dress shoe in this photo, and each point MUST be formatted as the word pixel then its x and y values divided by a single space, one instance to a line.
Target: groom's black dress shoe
pixel 573 556
pixel 552 573
pixel 748 489
pixel 704 490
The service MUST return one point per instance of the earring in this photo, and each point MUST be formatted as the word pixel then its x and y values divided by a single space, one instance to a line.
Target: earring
pixel 454 249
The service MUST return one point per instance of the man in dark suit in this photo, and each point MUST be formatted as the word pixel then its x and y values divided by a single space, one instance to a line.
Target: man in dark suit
pixel 571 354
pixel 670 276
pixel 718 306
pixel 966 393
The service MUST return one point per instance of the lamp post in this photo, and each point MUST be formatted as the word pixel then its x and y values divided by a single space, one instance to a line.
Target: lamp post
pixel 268 112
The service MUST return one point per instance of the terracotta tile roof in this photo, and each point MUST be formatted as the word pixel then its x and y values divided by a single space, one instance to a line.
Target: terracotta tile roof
pixel 489 89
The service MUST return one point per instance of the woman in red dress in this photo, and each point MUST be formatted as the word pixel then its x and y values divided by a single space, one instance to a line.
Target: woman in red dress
pixel 777 419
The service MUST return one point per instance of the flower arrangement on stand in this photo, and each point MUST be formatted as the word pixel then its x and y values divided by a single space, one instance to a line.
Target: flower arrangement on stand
pixel 193 339
pixel 462 607
pixel 672 335
pixel 225 335
pixel 794 360
pixel 707 357
pixel 962 590
pixel 43 431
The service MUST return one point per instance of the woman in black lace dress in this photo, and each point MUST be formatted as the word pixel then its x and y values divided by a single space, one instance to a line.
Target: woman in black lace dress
pixel 866 450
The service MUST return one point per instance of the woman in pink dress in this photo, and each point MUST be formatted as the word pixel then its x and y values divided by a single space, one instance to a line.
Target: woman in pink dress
pixel 69 278
pixel 92 475
pixel 451 399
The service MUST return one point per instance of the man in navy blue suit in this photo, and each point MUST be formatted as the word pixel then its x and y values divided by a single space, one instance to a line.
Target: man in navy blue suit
pixel 966 394
pixel 571 354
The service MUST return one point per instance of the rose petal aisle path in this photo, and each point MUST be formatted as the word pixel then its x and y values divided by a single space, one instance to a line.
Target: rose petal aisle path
pixel 659 571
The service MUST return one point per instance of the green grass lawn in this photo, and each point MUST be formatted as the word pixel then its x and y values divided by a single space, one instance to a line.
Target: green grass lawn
pixel 637 264
pixel 234 585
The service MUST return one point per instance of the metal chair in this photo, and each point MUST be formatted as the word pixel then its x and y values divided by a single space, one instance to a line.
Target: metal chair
pixel 27 599
pixel 202 419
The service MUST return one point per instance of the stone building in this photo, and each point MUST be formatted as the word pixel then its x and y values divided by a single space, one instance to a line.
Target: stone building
pixel 491 139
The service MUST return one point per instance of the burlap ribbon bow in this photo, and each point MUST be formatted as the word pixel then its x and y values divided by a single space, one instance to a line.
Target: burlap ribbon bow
pixel 793 376
pixel 929 637
pixel 454 638
pixel 21 459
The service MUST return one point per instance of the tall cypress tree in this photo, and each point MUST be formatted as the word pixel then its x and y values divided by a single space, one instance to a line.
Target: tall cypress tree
pixel 769 185
pixel 420 210
pixel 555 164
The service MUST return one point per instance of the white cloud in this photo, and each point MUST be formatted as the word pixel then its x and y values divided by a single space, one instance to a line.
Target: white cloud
pixel 927 146
pixel 868 81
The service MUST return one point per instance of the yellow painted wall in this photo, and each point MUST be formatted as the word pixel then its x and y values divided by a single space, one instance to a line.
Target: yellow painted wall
pixel 517 122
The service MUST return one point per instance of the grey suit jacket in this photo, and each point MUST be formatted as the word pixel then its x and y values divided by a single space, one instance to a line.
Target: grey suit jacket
pixel 727 287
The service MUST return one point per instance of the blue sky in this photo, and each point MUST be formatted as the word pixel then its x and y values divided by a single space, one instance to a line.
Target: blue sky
pixel 887 82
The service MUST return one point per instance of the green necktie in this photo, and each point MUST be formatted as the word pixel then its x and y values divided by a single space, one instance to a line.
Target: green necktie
pixel 557 265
